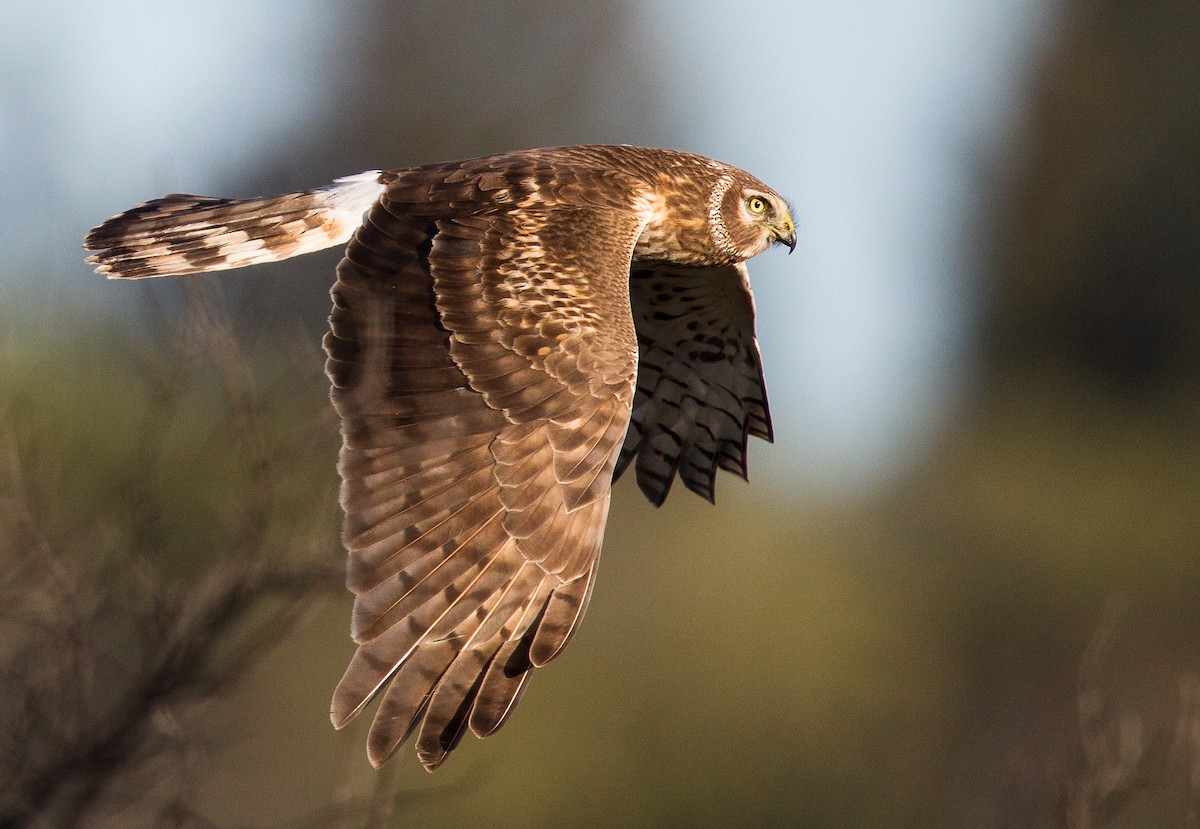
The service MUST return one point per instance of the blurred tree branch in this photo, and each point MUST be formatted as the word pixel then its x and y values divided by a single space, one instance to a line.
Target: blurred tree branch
pixel 104 659
pixel 1120 760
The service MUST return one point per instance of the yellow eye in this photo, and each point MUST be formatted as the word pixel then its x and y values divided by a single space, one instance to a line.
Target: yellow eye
pixel 757 204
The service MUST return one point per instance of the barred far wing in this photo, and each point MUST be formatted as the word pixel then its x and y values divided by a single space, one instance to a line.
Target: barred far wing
pixel 700 388
pixel 475 471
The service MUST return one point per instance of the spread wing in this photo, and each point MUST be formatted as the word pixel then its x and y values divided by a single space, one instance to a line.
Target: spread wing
pixel 700 391
pixel 483 365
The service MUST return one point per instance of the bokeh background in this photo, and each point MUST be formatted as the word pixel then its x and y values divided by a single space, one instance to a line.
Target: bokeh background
pixel 961 589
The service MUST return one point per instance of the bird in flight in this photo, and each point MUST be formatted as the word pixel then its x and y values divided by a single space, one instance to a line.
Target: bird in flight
pixel 508 335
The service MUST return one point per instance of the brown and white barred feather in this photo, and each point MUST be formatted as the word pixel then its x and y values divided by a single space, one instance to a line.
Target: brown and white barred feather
pixel 181 234
pixel 490 318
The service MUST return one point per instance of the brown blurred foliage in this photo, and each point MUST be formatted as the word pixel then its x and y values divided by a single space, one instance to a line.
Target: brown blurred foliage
pixel 110 657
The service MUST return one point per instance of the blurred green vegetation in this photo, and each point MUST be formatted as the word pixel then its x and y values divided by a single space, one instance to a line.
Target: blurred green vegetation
pixel 142 401
pixel 911 658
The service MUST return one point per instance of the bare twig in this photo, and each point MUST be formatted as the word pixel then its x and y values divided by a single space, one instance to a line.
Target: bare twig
pixel 98 683
pixel 1113 757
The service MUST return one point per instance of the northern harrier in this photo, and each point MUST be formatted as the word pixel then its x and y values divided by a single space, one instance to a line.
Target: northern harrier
pixel 508 334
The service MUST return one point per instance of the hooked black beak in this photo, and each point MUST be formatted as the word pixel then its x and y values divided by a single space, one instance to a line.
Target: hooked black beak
pixel 788 238
pixel 785 231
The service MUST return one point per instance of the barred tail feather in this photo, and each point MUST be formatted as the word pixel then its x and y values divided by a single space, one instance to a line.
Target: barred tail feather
pixel 181 234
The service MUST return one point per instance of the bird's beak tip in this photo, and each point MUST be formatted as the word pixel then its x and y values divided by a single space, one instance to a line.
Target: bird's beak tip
pixel 787 238
pixel 785 233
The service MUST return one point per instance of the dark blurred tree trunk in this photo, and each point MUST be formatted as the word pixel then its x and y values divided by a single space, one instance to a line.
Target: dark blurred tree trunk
pixel 1096 257
pixel 1084 432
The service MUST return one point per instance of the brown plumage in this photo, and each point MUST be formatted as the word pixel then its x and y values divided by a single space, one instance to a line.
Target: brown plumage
pixel 508 334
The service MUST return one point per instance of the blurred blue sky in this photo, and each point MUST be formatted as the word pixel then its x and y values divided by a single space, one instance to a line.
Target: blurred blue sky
pixel 875 119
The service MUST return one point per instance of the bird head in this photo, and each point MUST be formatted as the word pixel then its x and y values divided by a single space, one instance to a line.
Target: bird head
pixel 751 217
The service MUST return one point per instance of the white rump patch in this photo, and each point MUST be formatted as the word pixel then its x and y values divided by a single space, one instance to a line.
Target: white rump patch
pixel 352 196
